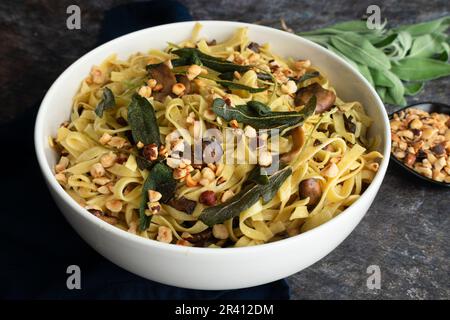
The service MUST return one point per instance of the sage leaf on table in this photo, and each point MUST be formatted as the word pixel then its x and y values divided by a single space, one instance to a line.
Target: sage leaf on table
pixel 142 120
pixel 260 116
pixel 245 199
pixel 237 86
pixel 108 101
pixel 413 88
pixel 395 61
pixel 420 69
pixel 160 179
pixel 361 51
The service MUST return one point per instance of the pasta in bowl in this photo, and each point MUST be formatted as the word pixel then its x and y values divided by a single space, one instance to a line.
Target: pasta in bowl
pixel 228 143
pixel 213 144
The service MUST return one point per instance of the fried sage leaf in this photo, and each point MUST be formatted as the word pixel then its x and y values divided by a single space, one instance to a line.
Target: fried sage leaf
pixel 142 120
pixel 159 179
pixel 195 56
pixel 108 101
pixel 308 75
pixel 245 199
pixel 260 116
pixel 237 86
pixel 258 175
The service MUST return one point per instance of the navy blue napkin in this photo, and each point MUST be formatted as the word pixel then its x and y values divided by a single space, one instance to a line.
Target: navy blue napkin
pixel 37 244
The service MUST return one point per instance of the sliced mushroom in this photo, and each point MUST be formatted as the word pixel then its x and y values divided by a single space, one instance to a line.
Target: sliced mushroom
pixel 298 139
pixel 325 98
pixel 164 76
pixel 183 204
pixel 310 188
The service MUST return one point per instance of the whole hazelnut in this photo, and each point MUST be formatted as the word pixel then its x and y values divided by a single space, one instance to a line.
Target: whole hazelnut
pixel 208 198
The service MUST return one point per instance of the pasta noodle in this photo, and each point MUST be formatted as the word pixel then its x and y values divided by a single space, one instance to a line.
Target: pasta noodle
pixel 100 161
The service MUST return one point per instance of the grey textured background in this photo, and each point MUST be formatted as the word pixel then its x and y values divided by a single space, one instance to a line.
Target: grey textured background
pixel 405 232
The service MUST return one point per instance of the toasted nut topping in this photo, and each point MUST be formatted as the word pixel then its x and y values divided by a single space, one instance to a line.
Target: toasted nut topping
pixel 250 132
pixel 220 231
pixel 193 71
pixel 227 195
pixel 101 181
pixel 145 91
pixel 208 198
pixel 61 178
pixel 103 190
pixel 139 145
pixel 183 242
pixel 190 182
pixel 265 159
pixel 114 205
pixel 97 170
pixel 234 124
pixel 108 160
pixel 117 142
pixel 179 173
pixel 97 75
pixel 150 152
pixel 105 138
pixel 415 124
pixel 289 88
pixel 410 159
pixel 154 207
pixel 62 164
pixel 151 83
pixel 178 89
pixel 154 196
pixel 302 64
pixel 208 174
pixel 186 235
pixel 158 87
pixel 331 170
pixel 164 234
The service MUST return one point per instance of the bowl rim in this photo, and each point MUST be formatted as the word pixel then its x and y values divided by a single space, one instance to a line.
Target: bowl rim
pixel 55 187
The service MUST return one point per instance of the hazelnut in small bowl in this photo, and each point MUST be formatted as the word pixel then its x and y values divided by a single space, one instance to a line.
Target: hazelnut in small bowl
pixel 420 136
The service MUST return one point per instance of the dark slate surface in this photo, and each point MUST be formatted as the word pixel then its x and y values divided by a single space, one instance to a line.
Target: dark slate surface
pixel 405 232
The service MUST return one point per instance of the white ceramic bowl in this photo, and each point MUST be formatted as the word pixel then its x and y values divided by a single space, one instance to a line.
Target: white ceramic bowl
pixel 204 268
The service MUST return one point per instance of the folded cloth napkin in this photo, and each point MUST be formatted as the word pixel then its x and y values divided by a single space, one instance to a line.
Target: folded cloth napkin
pixel 38 244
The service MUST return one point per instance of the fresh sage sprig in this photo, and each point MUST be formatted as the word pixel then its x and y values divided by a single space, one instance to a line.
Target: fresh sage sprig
pixel 142 120
pixel 237 86
pixel 245 199
pixel 108 101
pixel 260 116
pixel 160 179
pixel 395 61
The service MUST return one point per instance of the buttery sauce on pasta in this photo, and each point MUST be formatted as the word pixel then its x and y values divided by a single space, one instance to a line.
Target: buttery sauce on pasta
pixel 331 164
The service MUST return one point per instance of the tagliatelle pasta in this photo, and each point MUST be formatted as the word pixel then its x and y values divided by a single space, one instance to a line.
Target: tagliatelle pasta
pixel 250 147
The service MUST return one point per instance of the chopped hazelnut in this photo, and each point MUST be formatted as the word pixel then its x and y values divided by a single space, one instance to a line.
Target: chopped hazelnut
pixel 105 138
pixel 97 170
pixel 114 205
pixel 227 195
pixel 164 234
pixel 108 160
pixel 220 231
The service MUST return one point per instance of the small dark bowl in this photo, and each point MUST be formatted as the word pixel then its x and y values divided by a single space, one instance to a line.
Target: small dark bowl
pixel 428 107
